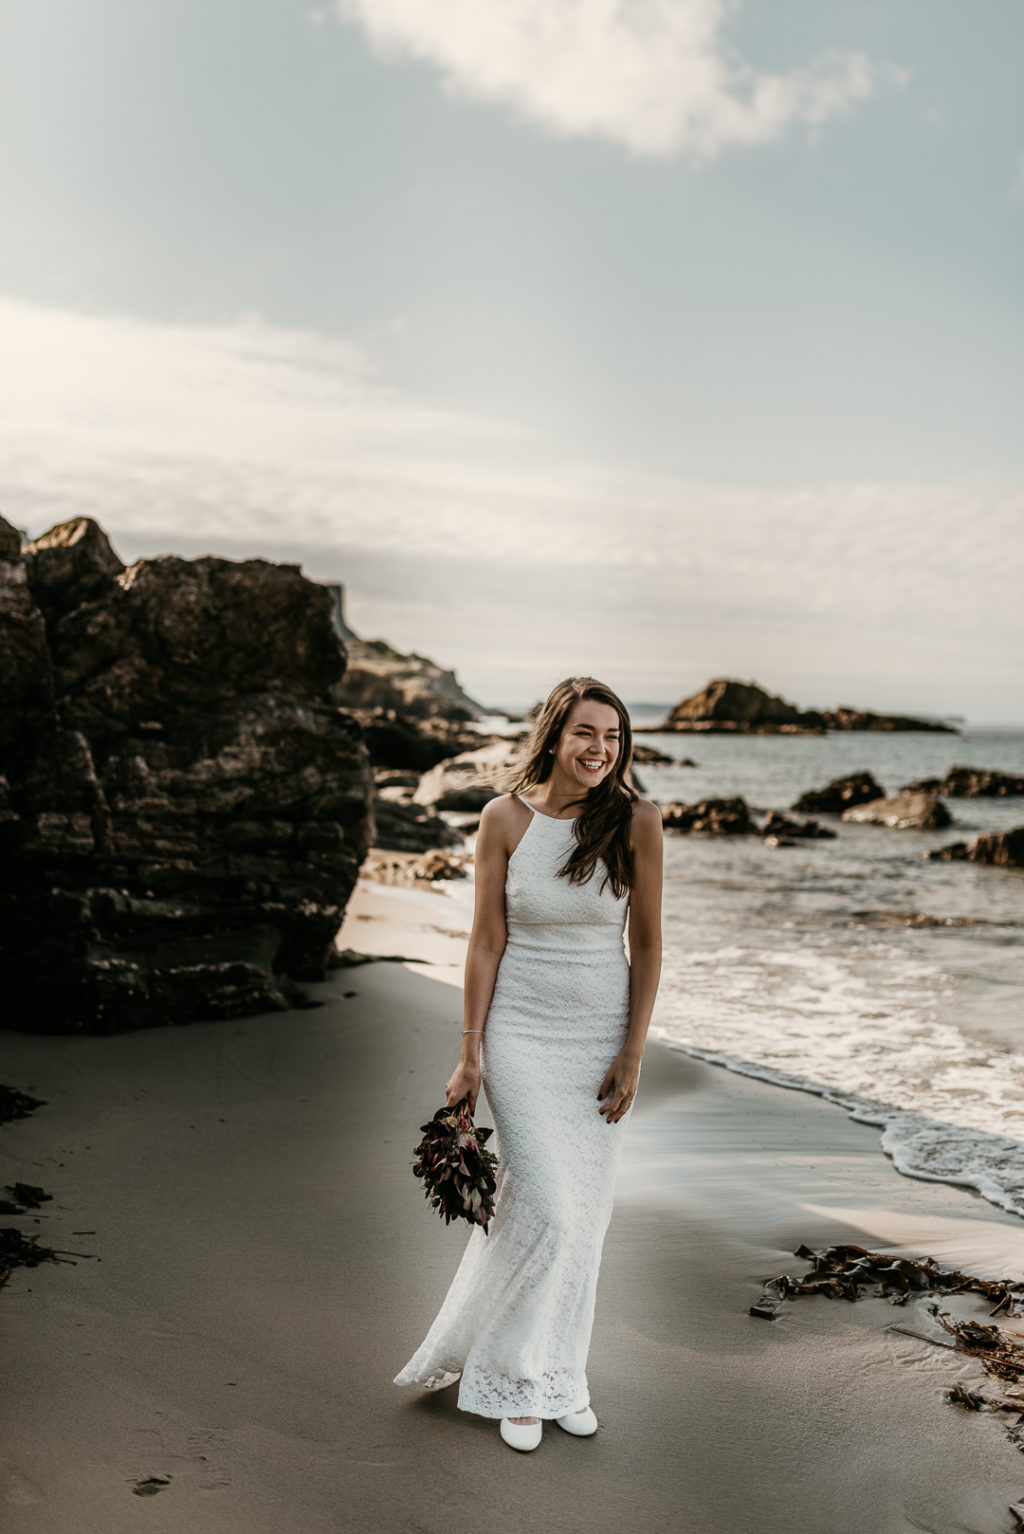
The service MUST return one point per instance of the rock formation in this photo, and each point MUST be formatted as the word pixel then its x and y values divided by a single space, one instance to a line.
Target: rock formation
pixel 183 807
pixel 414 745
pixel 916 812
pixel 970 783
pixel 732 817
pixel 725 705
pixel 710 817
pixel 1001 849
pixel 425 868
pixel 835 797
pixel 845 718
pixel 469 780
pixel 651 755
pixel 379 676
pixel 406 827
pixel 782 827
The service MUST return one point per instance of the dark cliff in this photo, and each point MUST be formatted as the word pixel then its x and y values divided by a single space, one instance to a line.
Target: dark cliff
pixel 183 807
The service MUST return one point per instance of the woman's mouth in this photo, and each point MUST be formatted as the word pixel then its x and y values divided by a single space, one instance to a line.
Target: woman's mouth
pixel 590 766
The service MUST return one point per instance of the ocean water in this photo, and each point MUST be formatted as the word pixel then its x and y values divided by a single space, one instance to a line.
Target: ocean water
pixel 799 965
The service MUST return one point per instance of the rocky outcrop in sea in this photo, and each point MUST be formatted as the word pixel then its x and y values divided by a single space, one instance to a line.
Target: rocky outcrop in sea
pixel 999 849
pixel 727 706
pixel 970 783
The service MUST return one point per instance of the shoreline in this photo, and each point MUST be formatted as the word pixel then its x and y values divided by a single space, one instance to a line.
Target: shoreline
pixel 862 1110
pixel 265 1262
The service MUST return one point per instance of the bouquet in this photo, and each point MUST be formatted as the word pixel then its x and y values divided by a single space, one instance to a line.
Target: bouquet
pixel 458 1171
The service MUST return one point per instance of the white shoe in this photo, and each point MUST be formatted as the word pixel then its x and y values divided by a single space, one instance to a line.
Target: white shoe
pixel 521 1435
pixel 580 1423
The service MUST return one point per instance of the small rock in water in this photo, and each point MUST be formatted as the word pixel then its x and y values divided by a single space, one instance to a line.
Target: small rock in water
pixel 710 817
pixel 839 795
pixel 916 812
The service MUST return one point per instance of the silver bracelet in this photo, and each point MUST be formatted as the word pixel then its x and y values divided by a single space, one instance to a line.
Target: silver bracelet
pixel 472 1030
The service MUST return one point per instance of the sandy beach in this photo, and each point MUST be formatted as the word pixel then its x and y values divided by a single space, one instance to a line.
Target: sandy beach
pixel 262 1262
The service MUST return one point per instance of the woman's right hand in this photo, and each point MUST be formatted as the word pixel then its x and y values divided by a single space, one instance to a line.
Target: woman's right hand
pixel 464 1081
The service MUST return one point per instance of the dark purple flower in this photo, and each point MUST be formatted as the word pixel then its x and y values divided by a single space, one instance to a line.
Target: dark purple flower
pixel 458 1172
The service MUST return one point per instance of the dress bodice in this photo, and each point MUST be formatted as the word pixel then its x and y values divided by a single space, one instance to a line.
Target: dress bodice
pixel 544 911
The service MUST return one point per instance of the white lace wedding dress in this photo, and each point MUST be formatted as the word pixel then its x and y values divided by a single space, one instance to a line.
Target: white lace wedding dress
pixel 517 1319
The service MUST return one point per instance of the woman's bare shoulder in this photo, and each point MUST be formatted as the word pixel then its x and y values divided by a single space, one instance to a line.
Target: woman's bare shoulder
pixel 647 826
pixel 502 818
pixel 505 810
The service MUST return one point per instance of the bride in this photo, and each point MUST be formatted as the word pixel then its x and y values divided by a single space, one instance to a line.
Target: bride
pixel 556 1018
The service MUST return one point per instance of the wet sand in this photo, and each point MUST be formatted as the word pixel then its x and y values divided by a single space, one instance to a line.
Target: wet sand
pixel 265 1262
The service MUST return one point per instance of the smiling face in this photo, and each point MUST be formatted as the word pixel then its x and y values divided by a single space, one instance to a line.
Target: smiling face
pixel 589 744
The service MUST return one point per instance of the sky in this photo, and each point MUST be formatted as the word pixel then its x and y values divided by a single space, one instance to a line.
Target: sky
pixel 656 340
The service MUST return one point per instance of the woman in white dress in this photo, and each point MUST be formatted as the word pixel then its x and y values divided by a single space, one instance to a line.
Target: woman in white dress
pixel 556 1020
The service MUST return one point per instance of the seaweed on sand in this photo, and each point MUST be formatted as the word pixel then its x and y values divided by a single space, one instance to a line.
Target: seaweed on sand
pixel 16 1250
pixel 847 1272
pixel 17 1105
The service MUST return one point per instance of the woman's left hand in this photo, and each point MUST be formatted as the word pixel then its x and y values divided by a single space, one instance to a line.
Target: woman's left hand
pixel 619 1086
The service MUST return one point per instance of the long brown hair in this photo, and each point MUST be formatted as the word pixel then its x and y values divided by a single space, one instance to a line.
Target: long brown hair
pixel 602 828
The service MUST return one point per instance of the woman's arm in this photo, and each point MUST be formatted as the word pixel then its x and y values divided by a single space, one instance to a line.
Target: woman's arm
pixel 644 921
pixel 486 946
pixel 620 1081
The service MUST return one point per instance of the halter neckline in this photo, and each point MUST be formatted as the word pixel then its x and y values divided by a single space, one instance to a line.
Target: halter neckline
pixel 565 819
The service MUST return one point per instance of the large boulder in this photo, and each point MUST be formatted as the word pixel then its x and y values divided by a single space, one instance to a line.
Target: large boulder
pixel 917 812
pixel 186 809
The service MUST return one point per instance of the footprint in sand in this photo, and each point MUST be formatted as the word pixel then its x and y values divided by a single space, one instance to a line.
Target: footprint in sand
pixel 16 1489
pixel 199 1461
pixel 207 1452
pixel 151 1485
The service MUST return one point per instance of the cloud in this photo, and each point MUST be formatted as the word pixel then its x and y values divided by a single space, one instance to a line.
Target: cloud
pixel 466 538
pixel 656 76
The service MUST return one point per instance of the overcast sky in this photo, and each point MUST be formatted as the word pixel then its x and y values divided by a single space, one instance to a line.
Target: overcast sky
pixel 657 339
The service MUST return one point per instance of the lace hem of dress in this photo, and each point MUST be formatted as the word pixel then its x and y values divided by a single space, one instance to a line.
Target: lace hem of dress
pixel 557 1393
pixel 437 1379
